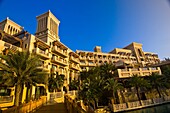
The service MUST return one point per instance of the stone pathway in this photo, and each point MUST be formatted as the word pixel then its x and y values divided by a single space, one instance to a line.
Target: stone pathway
pixel 53 108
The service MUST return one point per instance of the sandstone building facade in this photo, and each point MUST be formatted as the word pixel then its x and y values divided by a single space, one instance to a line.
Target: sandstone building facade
pixel 59 59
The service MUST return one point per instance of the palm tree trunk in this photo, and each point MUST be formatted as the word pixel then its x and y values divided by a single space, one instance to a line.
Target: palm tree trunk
pixel 17 94
pixel 114 97
pixel 137 90
pixel 158 92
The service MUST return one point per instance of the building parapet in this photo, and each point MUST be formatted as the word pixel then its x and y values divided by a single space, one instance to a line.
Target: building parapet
pixel 76 60
pixel 60 51
pixel 126 73
pixel 74 66
pixel 59 60
pixel 42 53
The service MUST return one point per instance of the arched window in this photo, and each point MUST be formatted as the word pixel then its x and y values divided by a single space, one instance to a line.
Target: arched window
pixel 13 30
pixel 8 30
pixel 140 53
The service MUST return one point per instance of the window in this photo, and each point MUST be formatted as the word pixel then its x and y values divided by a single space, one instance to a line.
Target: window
pixel 82 62
pixel 26 45
pixel 140 53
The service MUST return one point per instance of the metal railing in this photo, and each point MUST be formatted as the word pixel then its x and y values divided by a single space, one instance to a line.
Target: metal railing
pixel 6 99
pixel 28 107
pixel 72 106
pixel 139 104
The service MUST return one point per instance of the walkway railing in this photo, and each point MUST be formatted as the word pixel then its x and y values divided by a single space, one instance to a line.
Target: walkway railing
pixel 6 99
pixel 73 93
pixel 72 106
pixel 139 104
pixel 28 107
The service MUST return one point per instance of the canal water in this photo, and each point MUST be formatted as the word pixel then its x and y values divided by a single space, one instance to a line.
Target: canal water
pixel 165 108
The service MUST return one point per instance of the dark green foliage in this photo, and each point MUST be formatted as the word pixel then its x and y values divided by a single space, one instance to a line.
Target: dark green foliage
pixel 74 85
pixel 138 82
pixel 21 68
pixel 96 82
pixel 55 83
pixel 158 82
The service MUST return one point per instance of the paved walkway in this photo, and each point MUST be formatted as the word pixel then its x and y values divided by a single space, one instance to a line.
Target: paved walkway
pixel 54 108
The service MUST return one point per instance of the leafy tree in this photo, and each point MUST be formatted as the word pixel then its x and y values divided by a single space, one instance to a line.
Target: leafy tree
pixel 90 91
pixel 74 85
pixel 55 83
pixel 113 85
pixel 166 70
pixel 157 81
pixel 138 82
pixel 21 68
pixel 93 82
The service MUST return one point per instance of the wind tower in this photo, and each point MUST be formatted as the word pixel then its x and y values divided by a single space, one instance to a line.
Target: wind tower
pixel 47 27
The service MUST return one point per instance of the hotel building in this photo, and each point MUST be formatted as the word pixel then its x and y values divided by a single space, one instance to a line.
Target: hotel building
pixel 130 60
pixel 59 59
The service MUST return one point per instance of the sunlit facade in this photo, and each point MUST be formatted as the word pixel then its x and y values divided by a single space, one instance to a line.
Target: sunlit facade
pixel 130 60
pixel 58 59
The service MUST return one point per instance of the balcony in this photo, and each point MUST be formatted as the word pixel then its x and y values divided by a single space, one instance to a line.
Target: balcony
pixel 6 101
pixel 90 58
pixel 82 58
pixel 83 64
pixel 43 54
pixel 60 51
pixel 92 64
pixel 76 60
pixel 59 61
pixel 75 67
pixel 149 57
pixel 12 47
pixel 126 73
pixel 45 67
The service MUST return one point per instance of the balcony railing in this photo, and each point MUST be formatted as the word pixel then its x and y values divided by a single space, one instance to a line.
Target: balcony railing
pixel 6 99
pixel 59 60
pixel 56 95
pixel 42 53
pixel 92 64
pixel 60 51
pixel 82 57
pixel 90 58
pixel 12 47
pixel 125 73
pixel 74 59
pixel 76 67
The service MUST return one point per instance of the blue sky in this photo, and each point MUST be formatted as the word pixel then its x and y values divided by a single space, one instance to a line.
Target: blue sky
pixel 107 23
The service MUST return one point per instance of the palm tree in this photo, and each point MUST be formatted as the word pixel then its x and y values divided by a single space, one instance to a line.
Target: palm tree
pixel 166 70
pixel 157 81
pixel 138 82
pixel 90 91
pixel 21 68
pixel 74 85
pixel 93 82
pixel 106 70
pixel 55 83
pixel 113 85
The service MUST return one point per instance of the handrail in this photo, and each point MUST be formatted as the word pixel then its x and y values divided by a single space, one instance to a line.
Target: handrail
pixel 27 107
pixel 6 99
